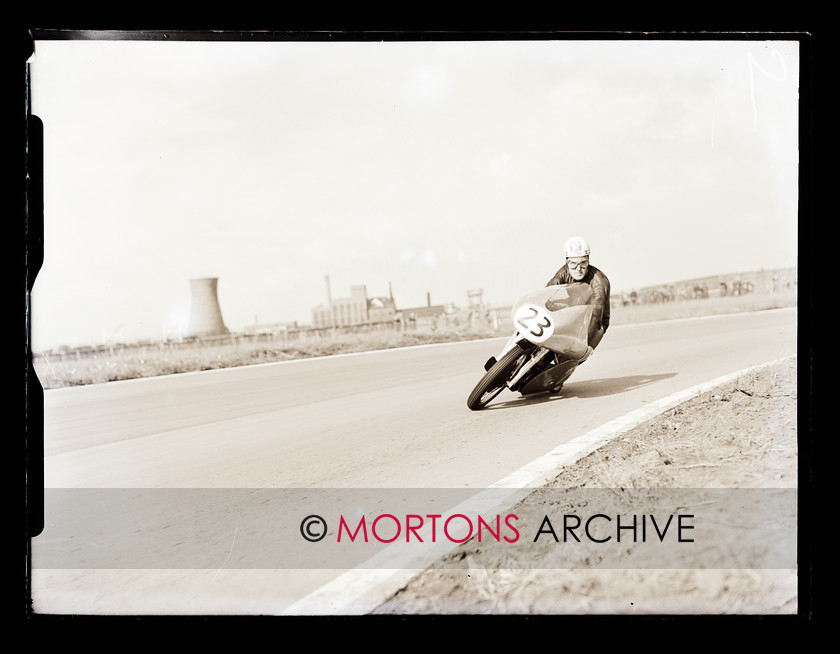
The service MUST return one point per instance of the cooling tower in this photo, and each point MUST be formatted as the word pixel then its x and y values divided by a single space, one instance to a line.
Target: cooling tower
pixel 205 313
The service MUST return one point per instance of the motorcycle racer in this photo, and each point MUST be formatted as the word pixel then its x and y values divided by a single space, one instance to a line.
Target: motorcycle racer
pixel 556 328
pixel 577 269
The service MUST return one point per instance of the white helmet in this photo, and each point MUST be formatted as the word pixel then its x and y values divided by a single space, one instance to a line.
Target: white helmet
pixel 577 247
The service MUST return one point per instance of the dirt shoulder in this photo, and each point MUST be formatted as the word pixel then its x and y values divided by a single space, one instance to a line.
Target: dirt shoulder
pixel 742 435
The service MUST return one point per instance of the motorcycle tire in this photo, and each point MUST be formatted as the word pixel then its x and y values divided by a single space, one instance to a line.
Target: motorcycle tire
pixel 495 379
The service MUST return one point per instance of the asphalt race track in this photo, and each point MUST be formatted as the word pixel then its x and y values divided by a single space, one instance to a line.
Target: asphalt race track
pixel 381 420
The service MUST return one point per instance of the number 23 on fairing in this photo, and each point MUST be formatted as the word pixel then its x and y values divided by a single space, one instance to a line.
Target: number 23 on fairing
pixel 534 323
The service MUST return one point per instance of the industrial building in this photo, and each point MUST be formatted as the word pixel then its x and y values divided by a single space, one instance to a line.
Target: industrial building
pixel 358 309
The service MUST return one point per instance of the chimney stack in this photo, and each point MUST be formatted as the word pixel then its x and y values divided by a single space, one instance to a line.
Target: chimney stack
pixel 329 300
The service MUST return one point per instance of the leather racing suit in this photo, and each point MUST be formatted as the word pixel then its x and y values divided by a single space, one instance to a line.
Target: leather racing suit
pixel 600 285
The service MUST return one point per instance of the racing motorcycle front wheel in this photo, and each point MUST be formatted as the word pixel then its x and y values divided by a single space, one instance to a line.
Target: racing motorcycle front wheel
pixel 496 378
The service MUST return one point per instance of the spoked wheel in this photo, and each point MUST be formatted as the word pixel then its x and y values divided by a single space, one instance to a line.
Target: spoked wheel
pixel 494 380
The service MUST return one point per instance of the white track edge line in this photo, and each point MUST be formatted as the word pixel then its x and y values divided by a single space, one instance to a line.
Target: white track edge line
pixel 360 590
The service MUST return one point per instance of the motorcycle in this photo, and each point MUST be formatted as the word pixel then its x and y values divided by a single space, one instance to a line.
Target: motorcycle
pixel 549 342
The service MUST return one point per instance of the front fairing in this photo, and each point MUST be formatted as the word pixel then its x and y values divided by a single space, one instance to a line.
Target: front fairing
pixel 556 317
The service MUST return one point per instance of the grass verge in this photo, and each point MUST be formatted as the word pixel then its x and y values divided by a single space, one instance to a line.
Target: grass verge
pixel 162 359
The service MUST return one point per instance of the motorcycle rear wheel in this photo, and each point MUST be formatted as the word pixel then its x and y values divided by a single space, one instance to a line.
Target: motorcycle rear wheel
pixel 495 379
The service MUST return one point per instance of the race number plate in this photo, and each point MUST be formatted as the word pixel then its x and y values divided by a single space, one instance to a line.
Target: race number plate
pixel 534 323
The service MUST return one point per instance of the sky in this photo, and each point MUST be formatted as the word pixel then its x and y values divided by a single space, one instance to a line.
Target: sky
pixel 425 168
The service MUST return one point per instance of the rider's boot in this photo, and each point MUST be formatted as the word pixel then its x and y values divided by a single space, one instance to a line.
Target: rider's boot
pixel 556 389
